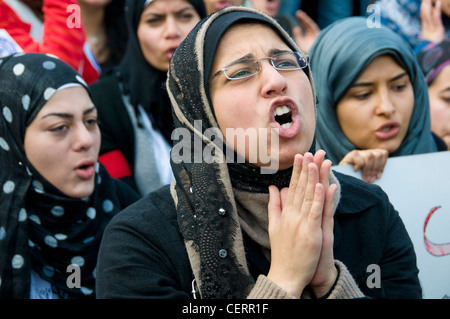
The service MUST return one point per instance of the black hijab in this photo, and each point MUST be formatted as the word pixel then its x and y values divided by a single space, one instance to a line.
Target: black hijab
pixel 144 84
pixel 203 191
pixel 42 229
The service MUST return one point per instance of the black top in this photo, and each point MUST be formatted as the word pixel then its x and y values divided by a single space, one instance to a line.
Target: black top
pixel 143 254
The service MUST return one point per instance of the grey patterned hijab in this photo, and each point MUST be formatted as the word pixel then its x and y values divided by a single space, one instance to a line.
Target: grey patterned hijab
pixel 203 192
pixel 42 229
pixel 341 52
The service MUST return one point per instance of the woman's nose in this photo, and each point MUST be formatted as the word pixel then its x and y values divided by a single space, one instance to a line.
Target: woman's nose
pixel 385 105
pixel 172 29
pixel 273 80
pixel 84 138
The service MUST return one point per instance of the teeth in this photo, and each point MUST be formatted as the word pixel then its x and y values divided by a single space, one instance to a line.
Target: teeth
pixel 286 125
pixel 280 110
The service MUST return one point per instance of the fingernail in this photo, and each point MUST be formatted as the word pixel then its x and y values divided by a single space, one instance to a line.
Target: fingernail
pixel 306 158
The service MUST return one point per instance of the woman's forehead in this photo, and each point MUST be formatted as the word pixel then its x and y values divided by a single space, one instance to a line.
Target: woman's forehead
pixel 248 28
pixel 240 40
pixel 69 98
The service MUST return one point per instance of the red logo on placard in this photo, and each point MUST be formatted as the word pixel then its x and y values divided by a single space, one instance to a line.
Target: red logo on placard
pixel 433 248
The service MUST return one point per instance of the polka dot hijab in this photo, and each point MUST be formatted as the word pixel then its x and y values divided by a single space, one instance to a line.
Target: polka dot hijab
pixel 42 229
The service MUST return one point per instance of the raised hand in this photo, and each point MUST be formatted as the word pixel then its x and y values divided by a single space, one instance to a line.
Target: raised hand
pixel 307 33
pixel 431 20
pixel 371 162
pixel 299 228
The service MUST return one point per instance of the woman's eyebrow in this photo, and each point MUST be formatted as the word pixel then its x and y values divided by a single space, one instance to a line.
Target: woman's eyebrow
pixel 160 15
pixel 277 51
pixel 64 115
pixel 68 115
pixel 184 10
pixel 395 78
pixel 92 109
pixel 243 58
pixel 271 52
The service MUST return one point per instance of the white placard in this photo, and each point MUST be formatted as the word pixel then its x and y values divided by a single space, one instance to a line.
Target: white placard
pixel 419 188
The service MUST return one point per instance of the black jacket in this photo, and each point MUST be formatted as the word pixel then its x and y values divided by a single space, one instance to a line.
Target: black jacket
pixel 143 254
pixel 114 121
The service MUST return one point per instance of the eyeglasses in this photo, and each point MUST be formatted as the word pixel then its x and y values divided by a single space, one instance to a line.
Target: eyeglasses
pixel 245 68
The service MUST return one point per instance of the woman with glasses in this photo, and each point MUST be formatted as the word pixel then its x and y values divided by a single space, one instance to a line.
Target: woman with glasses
pixel 373 101
pixel 252 213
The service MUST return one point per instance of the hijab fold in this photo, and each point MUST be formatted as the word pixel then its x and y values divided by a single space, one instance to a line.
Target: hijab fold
pixel 339 55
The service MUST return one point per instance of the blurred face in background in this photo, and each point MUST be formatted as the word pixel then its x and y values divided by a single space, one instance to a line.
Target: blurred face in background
pixel 163 26
pixel 439 94
pixel 445 7
pixel 215 5
pixel 270 7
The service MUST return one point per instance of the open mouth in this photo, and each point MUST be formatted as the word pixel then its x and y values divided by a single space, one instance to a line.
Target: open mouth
pixel 388 130
pixel 222 4
pixel 169 53
pixel 283 116
pixel 85 170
